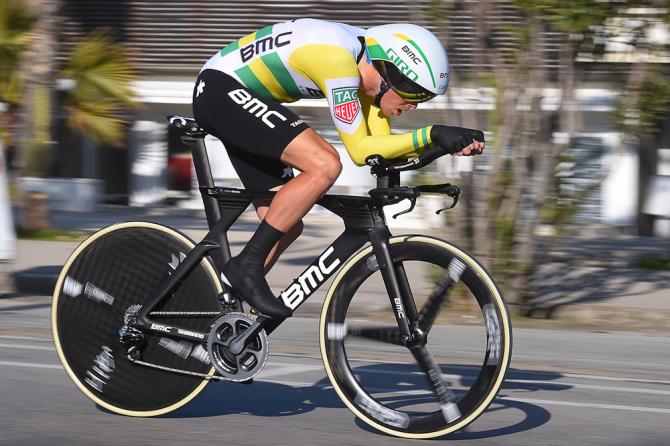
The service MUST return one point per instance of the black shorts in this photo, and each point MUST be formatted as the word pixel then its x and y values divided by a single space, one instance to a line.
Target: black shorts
pixel 254 130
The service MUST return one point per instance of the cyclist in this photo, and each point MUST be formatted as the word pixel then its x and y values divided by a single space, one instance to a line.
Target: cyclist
pixel 367 76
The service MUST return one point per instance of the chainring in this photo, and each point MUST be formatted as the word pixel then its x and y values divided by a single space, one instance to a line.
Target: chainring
pixel 250 361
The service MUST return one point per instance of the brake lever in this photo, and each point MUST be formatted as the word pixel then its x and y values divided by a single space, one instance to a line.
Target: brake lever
pixel 454 192
pixel 411 207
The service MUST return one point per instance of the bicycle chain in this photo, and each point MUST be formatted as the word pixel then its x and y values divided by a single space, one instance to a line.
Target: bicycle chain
pixel 173 370
pixel 185 313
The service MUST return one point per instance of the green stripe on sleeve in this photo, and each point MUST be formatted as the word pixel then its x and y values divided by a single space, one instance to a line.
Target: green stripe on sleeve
pixel 264 32
pixel 424 137
pixel 250 80
pixel 230 48
pixel 415 140
pixel 279 71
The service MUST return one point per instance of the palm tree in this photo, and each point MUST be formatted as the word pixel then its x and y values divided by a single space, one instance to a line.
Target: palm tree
pixel 97 68
pixel 98 71
pixel 16 22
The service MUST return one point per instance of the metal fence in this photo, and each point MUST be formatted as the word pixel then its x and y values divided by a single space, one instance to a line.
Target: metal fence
pixel 176 36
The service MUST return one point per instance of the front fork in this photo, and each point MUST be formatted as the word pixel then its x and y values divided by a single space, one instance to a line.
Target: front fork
pixel 398 289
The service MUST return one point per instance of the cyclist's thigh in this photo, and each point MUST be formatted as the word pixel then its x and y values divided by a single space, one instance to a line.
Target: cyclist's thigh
pixel 256 172
pixel 255 130
pixel 310 152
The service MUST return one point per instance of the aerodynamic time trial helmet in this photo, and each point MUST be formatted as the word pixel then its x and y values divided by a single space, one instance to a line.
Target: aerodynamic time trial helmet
pixel 410 59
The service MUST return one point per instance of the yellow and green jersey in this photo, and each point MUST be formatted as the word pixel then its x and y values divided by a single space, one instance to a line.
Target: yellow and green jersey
pixel 313 59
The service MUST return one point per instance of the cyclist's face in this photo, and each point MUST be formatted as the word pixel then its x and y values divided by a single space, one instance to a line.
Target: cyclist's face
pixel 393 105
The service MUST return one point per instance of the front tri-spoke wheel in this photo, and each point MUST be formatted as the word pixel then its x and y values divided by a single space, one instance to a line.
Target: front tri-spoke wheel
pixel 462 347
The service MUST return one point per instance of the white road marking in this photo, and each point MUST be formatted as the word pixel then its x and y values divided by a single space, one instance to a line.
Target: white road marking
pixel 506 398
pixel 298 367
pixel 590 405
pixel 26 338
pixel 530 381
pixel 614 378
pixel 26 347
pixel 587 386
pixel 525 372
pixel 287 370
pixel 32 365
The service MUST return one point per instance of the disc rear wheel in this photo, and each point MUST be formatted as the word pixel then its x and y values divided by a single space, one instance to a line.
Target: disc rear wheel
pixel 112 275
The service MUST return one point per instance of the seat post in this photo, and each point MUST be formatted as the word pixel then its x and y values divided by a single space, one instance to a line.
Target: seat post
pixel 203 172
pixel 194 137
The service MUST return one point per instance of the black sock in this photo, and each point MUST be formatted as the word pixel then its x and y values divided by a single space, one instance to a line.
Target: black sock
pixel 259 246
pixel 246 275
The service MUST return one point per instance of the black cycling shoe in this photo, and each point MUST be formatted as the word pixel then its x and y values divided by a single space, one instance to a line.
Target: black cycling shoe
pixel 251 286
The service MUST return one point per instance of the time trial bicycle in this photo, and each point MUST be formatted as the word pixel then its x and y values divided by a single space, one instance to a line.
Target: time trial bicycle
pixel 142 320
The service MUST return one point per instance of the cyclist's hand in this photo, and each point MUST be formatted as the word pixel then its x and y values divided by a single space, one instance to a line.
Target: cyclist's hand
pixel 458 140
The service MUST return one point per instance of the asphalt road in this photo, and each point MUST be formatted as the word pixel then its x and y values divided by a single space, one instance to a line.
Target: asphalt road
pixel 564 388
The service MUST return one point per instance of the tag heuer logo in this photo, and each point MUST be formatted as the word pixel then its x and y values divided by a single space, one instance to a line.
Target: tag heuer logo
pixel 345 104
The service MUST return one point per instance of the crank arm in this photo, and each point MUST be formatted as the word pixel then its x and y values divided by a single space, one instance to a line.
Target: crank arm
pixel 240 342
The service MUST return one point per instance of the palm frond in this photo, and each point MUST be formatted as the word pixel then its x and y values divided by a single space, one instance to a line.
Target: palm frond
pixel 100 66
pixel 99 120
pixel 102 76
pixel 16 21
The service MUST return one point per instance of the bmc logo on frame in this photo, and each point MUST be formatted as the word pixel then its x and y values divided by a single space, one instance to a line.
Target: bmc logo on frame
pixel 311 279
pixel 345 104
pixel 255 106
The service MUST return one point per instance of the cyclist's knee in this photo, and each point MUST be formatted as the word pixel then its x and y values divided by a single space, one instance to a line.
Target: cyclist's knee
pixel 331 169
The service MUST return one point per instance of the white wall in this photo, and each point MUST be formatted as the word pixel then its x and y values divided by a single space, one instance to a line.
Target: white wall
pixel 7 235
pixel 148 163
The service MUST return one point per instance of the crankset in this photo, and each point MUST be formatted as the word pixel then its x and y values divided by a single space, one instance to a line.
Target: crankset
pixel 249 361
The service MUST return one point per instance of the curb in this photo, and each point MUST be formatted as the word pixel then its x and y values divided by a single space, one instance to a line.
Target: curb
pixel 609 318
pixel 39 281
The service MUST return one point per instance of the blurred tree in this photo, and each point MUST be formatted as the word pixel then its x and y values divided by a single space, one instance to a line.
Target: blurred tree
pixel 16 22
pixel 97 73
pixel 521 185
pixel 38 73
pixel 645 100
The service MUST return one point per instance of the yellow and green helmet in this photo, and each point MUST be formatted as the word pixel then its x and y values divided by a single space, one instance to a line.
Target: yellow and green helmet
pixel 410 59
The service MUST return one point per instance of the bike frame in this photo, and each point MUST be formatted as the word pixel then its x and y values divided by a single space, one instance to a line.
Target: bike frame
pixel 364 222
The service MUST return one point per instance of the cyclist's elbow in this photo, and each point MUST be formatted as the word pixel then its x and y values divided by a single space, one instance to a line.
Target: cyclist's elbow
pixel 358 157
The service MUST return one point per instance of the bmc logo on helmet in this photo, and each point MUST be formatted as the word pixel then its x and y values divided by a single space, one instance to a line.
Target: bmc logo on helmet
pixel 402 65
pixel 416 59
pixel 255 106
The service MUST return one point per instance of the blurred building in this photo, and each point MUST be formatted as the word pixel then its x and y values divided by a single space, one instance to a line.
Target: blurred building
pixel 169 41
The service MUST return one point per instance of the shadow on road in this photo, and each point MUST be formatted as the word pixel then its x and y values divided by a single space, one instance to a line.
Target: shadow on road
pixel 272 399
pixel 559 285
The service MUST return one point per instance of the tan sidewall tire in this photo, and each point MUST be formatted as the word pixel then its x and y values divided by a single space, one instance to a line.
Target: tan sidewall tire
pixel 500 304
pixel 54 322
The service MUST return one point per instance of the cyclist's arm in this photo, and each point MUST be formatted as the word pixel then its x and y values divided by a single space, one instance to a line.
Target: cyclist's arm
pixel 362 128
pixel 380 140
